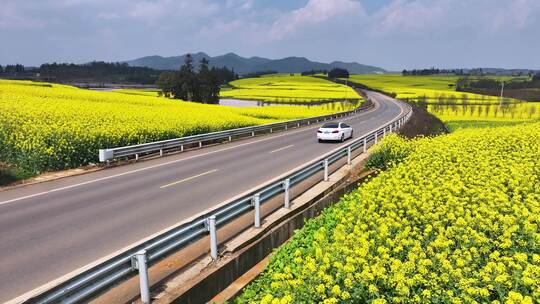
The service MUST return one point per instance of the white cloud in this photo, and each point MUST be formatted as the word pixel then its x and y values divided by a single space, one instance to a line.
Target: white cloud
pixel 239 4
pixel 395 33
pixel 418 17
pixel 409 16
pixel 315 12
pixel 518 15
pixel 12 16
pixel 156 11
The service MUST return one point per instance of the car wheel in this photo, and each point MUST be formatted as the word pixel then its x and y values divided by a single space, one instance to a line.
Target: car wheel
pixel 352 133
pixel 342 137
pixel 320 140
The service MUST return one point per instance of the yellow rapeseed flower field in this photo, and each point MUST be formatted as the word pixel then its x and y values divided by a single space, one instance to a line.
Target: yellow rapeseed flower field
pixel 287 88
pixel 433 88
pixel 456 116
pixel 47 126
pixel 455 220
pixel 455 109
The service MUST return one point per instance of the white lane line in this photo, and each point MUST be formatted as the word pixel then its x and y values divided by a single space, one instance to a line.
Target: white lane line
pixel 188 179
pixel 172 162
pixel 281 149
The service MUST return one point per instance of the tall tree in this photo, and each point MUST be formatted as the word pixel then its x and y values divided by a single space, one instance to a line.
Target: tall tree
pixel 338 73
pixel 208 90
pixel 166 82
pixel 202 86
pixel 186 83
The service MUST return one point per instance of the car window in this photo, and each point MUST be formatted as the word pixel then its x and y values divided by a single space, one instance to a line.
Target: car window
pixel 330 125
pixel 344 125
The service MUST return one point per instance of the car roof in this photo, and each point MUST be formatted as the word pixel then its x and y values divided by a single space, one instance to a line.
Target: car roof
pixel 331 125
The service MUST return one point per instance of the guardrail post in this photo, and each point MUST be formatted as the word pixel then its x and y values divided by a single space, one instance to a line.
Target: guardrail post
pixel 138 261
pixel 200 144
pixel 213 237
pixel 182 148
pixel 160 152
pixel 390 128
pixel 257 204
pixel 348 155
pixel 286 196
pixel 376 136
pixel 384 131
pixel 270 130
pixel 325 170
pixel 365 144
pixel 137 156
pixel 252 133
pixel 230 138
pixel 285 127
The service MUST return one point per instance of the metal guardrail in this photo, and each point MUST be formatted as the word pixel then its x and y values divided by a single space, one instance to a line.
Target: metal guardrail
pixel 127 264
pixel 179 143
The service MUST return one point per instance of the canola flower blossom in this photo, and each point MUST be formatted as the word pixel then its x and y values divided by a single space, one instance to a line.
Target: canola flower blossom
pixel 457 220
pixel 287 88
pixel 456 109
pixel 49 127
pixel 476 116
pixel 432 88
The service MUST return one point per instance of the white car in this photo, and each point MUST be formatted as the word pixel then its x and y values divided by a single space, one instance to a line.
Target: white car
pixel 334 131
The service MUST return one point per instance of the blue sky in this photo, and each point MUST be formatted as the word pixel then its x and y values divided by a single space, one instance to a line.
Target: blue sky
pixel 393 34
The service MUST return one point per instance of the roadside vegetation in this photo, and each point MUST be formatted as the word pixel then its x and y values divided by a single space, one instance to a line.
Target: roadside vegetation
pixel 47 126
pixel 454 219
pixel 287 88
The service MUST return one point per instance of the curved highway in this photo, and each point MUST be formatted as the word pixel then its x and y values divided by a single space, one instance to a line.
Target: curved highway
pixel 53 228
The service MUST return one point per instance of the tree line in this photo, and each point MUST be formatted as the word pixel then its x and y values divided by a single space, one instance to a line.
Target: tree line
pixel 97 71
pixel 191 85
pixel 338 73
pixel 12 70
pixel 314 72
pixel 259 74
pixel 432 71
pixel 465 83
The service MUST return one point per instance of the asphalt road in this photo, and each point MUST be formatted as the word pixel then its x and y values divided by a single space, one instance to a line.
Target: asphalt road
pixel 50 229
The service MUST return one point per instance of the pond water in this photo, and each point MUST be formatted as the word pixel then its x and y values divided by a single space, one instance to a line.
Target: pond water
pixel 240 103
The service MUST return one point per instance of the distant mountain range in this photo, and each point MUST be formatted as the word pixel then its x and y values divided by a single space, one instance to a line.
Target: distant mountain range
pixel 244 65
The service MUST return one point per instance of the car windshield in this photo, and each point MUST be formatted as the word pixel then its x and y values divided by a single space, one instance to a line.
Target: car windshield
pixel 330 125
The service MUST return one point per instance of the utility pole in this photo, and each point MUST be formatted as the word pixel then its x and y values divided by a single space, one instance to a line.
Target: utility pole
pixel 502 91
pixel 346 90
